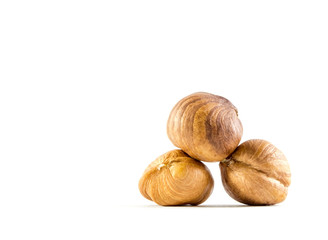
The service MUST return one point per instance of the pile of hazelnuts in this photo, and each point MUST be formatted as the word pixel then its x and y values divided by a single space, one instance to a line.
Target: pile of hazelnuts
pixel 206 128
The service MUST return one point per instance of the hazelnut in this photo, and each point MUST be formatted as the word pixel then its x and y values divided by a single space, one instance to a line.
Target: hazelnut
pixel 205 126
pixel 256 173
pixel 174 178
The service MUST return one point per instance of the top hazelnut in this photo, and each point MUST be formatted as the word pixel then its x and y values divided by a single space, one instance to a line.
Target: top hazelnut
pixel 205 126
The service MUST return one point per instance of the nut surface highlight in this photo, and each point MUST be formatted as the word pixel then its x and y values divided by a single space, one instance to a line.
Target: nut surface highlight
pixel 205 126
pixel 256 173
pixel 175 178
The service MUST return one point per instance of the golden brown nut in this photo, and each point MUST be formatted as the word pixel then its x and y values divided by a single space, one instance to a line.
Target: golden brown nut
pixel 174 178
pixel 256 173
pixel 205 126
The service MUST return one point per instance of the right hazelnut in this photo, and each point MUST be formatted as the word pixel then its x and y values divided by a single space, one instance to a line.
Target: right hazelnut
pixel 256 173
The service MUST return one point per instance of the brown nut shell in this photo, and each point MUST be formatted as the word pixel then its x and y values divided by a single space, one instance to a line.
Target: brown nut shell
pixel 174 178
pixel 256 173
pixel 205 126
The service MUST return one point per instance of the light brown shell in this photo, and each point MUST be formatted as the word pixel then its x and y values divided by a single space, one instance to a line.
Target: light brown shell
pixel 256 173
pixel 174 178
pixel 205 126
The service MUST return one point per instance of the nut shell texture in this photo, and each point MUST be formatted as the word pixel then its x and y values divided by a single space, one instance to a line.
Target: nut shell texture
pixel 205 126
pixel 174 178
pixel 256 173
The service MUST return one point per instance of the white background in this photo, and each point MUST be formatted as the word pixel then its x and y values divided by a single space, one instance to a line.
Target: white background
pixel 86 88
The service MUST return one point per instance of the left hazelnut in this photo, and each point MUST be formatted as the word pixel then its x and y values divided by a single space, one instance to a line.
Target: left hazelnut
pixel 175 178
